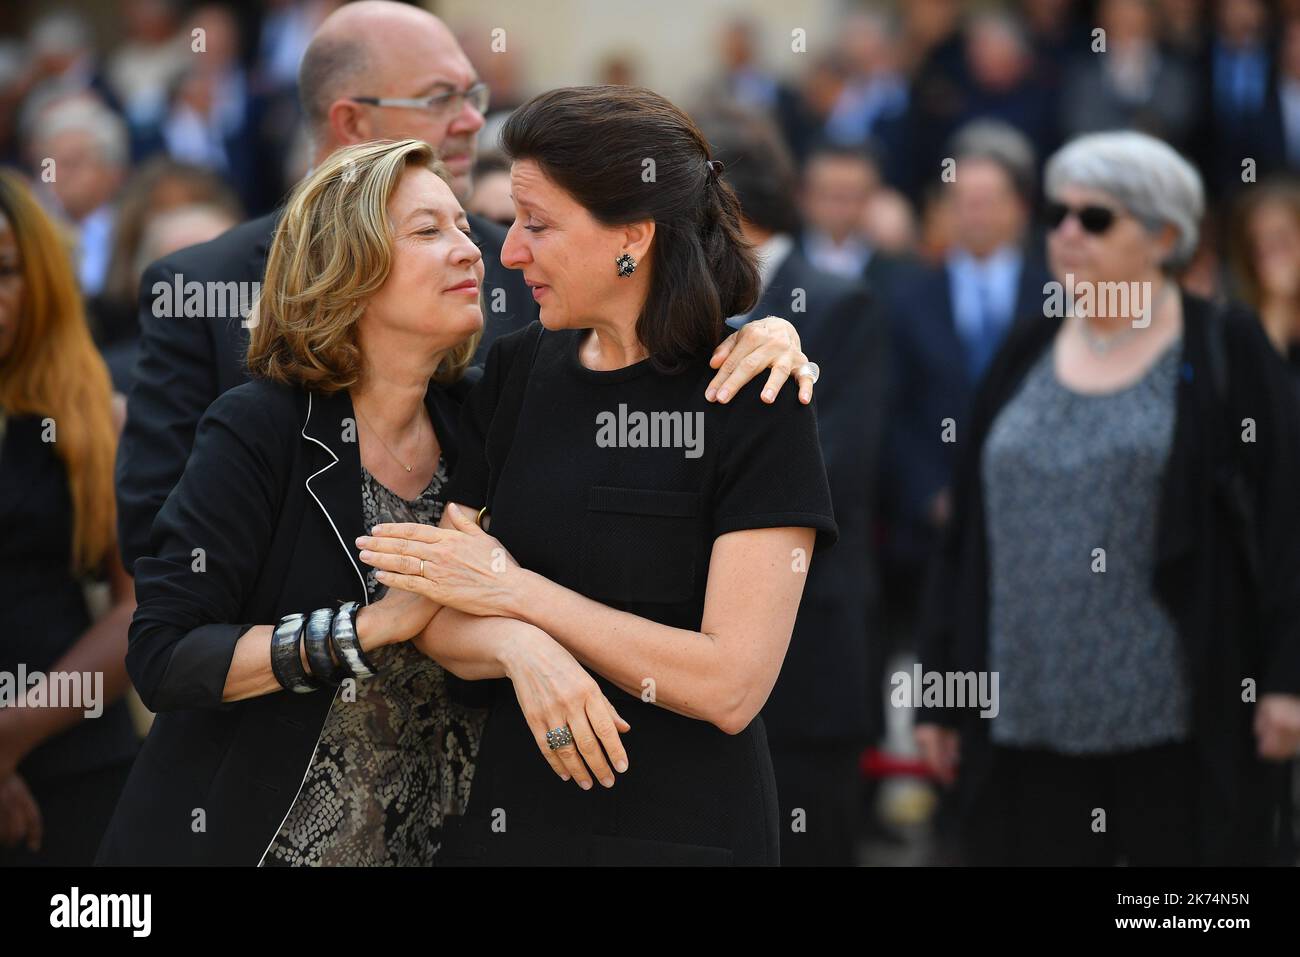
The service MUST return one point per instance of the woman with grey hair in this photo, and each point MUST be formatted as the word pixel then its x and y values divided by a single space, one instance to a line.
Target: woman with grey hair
pixel 1122 555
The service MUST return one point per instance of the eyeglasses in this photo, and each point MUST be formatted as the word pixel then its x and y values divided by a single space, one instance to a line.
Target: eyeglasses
pixel 1094 219
pixel 440 104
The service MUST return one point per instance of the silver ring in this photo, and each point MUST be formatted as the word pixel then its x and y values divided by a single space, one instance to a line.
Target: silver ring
pixel 559 737
pixel 809 369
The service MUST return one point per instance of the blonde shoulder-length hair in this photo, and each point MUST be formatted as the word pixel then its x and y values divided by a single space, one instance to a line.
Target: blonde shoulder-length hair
pixel 332 251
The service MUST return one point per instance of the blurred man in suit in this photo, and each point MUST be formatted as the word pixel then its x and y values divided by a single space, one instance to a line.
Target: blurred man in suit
pixel 186 361
pixel 839 187
pixel 945 323
pixel 823 710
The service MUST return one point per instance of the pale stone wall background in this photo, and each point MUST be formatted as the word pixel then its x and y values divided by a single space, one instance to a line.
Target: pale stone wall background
pixel 674 43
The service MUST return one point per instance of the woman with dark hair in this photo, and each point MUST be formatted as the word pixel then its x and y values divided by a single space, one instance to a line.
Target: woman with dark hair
pixel 62 764
pixel 1265 259
pixel 291 730
pixel 660 539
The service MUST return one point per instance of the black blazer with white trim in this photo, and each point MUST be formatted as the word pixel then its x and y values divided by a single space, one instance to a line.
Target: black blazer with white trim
pixel 262 523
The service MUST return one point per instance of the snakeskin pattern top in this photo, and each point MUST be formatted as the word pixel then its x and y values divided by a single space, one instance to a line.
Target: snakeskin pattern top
pixel 391 763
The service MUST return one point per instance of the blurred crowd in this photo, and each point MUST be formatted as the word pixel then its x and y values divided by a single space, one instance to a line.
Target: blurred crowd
pixel 189 123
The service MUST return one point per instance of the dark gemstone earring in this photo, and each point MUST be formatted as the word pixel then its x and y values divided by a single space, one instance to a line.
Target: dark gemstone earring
pixel 626 265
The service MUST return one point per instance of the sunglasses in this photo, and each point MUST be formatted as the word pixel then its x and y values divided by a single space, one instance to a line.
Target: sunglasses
pixel 1094 219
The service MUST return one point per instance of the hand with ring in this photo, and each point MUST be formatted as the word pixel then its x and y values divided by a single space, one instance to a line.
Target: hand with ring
pixel 761 344
pixel 460 566
pixel 809 370
pixel 575 726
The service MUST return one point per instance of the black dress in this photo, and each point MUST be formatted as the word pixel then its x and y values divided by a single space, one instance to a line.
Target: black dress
pixel 76 776
pixel 586 500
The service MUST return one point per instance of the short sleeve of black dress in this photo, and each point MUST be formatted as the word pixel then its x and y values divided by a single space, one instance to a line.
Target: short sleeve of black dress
pixel 770 471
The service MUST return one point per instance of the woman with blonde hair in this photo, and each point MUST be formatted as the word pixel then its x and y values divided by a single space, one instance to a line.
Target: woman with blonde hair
pixel 369 315
pixel 60 771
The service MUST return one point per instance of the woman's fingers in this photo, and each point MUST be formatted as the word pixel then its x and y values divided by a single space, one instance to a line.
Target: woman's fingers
pixel 11 820
pixel 729 360
pixel 390 562
pixel 738 369
pixel 23 814
pixel 723 350
pixel 780 373
pixel 35 823
pixel 410 531
pixel 389 545
pixel 603 722
pixel 624 727
pixel 553 759
pixel 805 381
pixel 466 522
pixel 770 341
pixel 589 745
pixel 415 584
pixel 939 750
pixel 572 761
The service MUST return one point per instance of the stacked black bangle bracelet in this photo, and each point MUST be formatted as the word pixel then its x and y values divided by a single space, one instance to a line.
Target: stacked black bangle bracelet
pixel 286 664
pixel 333 651
pixel 317 637
pixel 344 637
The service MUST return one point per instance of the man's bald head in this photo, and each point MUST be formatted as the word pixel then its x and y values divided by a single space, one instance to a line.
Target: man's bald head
pixel 377 48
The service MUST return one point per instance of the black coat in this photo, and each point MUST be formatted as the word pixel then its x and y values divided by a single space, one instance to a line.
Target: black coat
pixel 1231 630
pixel 185 363
pixel 272 494
pixel 822 692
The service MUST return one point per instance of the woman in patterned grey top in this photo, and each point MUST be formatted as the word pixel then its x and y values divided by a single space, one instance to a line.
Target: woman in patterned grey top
pixel 393 762
pixel 1091 569
pixel 1087 659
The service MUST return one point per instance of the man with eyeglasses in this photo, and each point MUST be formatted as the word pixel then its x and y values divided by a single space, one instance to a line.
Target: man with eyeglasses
pixel 374 70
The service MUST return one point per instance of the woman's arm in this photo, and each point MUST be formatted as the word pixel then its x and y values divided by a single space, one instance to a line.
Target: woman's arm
pixel 468 646
pixel 396 617
pixel 187 647
pixel 553 690
pixel 101 650
pixel 721 674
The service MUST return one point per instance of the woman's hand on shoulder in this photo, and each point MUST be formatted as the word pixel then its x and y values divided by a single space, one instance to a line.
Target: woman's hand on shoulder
pixel 768 343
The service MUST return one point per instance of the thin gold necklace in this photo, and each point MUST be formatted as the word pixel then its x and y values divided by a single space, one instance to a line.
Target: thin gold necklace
pixel 381 439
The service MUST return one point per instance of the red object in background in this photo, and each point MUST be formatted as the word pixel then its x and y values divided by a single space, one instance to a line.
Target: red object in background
pixel 875 763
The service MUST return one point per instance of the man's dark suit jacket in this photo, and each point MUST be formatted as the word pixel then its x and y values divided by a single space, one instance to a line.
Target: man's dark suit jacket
pixel 930 382
pixel 822 692
pixel 185 363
